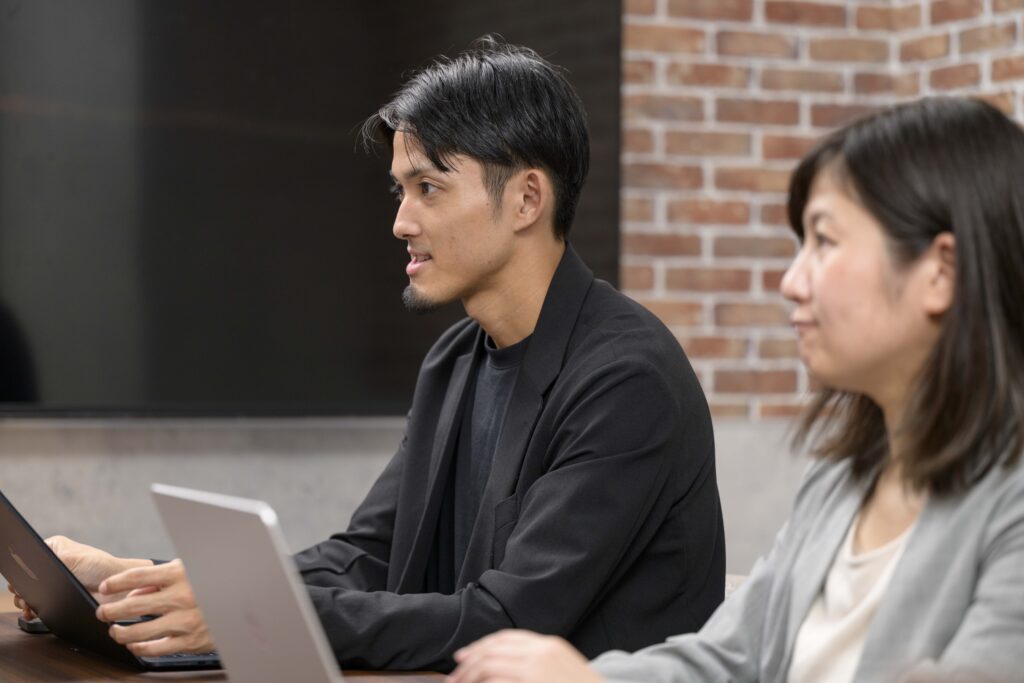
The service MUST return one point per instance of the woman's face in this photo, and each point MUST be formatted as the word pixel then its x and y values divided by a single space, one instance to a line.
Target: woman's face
pixel 864 324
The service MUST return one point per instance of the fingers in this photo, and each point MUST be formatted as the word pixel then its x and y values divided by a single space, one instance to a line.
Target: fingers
pixel 157 601
pixel 153 590
pixel 522 657
pixel 181 631
pixel 159 575
pixel 27 612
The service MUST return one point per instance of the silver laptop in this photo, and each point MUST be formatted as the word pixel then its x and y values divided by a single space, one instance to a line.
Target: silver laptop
pixel 247 586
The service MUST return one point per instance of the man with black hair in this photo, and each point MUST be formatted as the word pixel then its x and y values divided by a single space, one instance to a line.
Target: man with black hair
pixel 557 472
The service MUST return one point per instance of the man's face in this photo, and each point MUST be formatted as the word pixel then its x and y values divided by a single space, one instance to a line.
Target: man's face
pixel 458 241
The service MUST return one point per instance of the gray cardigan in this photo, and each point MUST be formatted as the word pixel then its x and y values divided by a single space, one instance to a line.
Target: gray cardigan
pixel 953 610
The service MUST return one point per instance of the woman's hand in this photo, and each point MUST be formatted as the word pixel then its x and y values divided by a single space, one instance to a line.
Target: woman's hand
pixel 521 657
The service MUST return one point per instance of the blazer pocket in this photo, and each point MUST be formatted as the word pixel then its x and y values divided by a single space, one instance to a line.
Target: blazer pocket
pixel 506 514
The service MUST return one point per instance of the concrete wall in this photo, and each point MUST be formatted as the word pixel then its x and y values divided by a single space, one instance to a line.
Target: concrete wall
pixel 89 479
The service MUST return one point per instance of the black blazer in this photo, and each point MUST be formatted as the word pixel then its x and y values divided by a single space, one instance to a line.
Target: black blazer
pixel 600 521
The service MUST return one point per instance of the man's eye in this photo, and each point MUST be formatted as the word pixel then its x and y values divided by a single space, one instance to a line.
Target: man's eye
pixel 397 192
pixel 426 188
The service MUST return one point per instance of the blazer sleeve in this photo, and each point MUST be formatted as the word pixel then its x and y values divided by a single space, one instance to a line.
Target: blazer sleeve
pixel 987 644
pixel 609 457
pixel 357 559
pixel 727 648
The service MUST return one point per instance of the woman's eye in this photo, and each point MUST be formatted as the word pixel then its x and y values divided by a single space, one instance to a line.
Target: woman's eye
pixel 823 240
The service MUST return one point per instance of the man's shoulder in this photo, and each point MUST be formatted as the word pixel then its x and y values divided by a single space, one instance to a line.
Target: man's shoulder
pixel 620 327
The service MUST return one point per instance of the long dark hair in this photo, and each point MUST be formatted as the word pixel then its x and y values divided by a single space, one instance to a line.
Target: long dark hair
pixel 932 166
pixel 504 106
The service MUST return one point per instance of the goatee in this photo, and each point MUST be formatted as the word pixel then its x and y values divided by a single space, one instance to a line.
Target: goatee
pixel 416 303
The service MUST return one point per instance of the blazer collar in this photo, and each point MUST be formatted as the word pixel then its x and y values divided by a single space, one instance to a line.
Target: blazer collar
pixel 562 304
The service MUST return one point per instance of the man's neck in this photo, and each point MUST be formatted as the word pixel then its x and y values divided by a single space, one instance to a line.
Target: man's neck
pixel 509 309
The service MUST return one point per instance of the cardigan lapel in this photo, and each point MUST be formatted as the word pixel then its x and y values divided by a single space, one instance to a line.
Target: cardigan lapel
pixel 810 570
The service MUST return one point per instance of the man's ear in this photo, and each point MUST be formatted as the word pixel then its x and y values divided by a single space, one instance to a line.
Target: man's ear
pixel 532 197
pixel 941 285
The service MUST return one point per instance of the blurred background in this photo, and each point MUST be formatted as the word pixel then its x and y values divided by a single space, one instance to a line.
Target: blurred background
pixel 198 284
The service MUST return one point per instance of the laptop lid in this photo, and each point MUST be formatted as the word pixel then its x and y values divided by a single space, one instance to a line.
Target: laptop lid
pixel 247 587
pixel 61 601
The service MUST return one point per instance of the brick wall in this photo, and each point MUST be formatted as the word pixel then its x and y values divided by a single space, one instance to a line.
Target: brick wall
pixel 720 98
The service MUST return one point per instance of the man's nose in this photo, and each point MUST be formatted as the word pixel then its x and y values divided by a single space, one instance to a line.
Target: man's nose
pixel 405 226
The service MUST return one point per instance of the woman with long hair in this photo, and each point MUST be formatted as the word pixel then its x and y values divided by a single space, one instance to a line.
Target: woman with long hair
pixel 904 554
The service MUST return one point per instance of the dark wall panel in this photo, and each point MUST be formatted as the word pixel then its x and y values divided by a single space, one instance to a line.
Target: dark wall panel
pixel 186 221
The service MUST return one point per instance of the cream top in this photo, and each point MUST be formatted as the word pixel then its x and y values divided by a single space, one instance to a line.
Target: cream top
pixel 829 642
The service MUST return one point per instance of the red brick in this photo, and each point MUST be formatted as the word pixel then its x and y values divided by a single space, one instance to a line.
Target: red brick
pixel 752 179
pixel 637 71
pixel 1007 5
pixel 714 347
pixel 725 410
pixel 988 37
pixel 660 244
pixel 740 315
pixel 708 279
pixel 888 18
pixel 755 381
pixel 704 211
pixel 786 146
pixel 789 410
pixel 665 176
pixel 778 348
pixel 662 108
pixel 637 141
pixel 959 76
pixel 755 247
pixel 730 10
pixel 921 49
pixel 771 280
pixel 955 10
pixel 636 277
pixel 639 209
pixel 802 79
pixel 748 44
pixel 719 75
pixel 1008 68
pixel 675 312
pixel 906 85
pixel 774 214
pixel 644 7
pixel 808 13
pixel 734 110
pixel 849 50
pixel 707 144
pixel 1002 101
pixel 655 38
pixel 833 115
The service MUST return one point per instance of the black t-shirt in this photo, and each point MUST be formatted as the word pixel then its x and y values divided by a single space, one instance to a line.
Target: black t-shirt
pixel 478 437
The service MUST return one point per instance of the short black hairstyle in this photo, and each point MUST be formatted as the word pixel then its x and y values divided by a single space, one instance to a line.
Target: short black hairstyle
pixel 504 106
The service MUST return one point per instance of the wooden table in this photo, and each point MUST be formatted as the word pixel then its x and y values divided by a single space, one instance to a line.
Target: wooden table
pixel 35 658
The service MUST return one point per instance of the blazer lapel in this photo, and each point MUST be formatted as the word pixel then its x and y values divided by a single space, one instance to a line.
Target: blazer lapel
pixel 543 361
pixel 445 438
